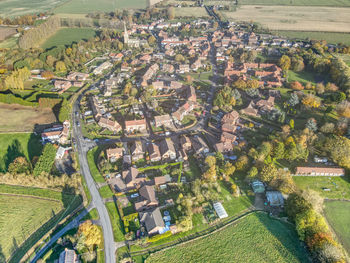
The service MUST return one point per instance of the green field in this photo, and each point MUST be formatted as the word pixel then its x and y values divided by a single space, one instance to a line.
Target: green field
pixel 11 8
pixel 28 213
pixel 20 216
pixel 338 216
pixel 67 36
pixel 330 37
pixel 117 224
pixel 18 144
pixel 296 2
pixel 303 77
pixel 105 192
pixel 91 157
pixel 256 238
pixel 339 186
pixel 90 6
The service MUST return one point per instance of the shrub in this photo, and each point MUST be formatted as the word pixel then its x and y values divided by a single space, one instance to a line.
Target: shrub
pixel 159 237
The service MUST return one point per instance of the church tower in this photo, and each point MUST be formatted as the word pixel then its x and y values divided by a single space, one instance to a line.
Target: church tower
pixel 126 35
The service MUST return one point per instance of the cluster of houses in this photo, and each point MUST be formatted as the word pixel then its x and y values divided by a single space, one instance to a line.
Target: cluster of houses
pixel 229 125
pixel 58 133
pixel 131 179
pixel 75 79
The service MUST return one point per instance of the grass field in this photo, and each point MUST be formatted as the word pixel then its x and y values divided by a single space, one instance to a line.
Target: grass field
pixel 304 77
pixel 20 216
pixel 339 187
pixel 18 144
pixel 298 18
pixel 92 165
pixel 338 216
pixel 191 12
pixel 256 238
pixel 11 8
pixel 116 222
pixel 89 6
pixel 18 118
pixel 67 36
pixel 105 192
pixel 296 2
pixel 330 37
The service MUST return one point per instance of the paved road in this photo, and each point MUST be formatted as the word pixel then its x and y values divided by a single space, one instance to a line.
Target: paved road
pixel 96 200
pixel 72 224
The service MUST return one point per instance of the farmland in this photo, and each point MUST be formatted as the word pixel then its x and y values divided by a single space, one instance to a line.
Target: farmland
pixel 338 216
pixel 256 238
pixel 18 118
pixel 89 6
pixel 338 186
pixel 297 2
pixel 191 12
pixel 20 216
pixel 66 36
pixel 11 8
pixel 300 18
pixel 18 144
pixel 330 37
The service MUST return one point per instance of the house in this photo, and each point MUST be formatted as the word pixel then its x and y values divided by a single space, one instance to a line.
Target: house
pixel 227 138
pixel 231 117
pixel 167 149
pixel 68 256
pixel 185 143
pixel 52 134
pixel 223 147
pixel 160 180
pixel 137 151
pixel 266 105
pixel 175 85
pixel 105 65
pixel 184 68
pixel 111 125
pixel 320 159
pixel 132 178
pixel 250 110
pixel 135 126
pixel 163 120
pixel 62 85
pixel 182 111
pixel 191 94
pixel 65 132
pixel 158 84
pixel 77 76
pixel 153 221
pixel 199 146
pixel 154 152
pixel 113 154
pixel 147 198
pixel 319 171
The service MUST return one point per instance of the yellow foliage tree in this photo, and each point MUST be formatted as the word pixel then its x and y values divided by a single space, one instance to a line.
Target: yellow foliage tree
pixel 311 101
pixel 91 234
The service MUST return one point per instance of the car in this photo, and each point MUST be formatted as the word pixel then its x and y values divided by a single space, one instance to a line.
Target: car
pixel 78 124
pixel 134 195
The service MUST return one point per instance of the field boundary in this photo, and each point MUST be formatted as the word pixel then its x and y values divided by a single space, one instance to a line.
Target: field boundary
pixel 197 235
pixel 32 196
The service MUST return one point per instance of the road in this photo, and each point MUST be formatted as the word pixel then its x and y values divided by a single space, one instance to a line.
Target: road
pixel 96 200
pixel 72 224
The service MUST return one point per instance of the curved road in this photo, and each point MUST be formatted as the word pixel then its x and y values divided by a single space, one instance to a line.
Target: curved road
pixel 96 201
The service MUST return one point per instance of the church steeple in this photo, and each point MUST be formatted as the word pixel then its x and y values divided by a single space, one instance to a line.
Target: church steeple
pixel 126 35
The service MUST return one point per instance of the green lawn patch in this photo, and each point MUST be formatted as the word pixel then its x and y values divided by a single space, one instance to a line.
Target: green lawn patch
pixel 339 186
pixel 14 8
pixel 117 223
pixel 303 77
pixel 18 144
pixel 92 158
pixel 90 6
pixel 67 36
pixel 105 191
pixel 256 238
pixel 338 216
pixel 194 171
pixel 27 214
pixel 92 215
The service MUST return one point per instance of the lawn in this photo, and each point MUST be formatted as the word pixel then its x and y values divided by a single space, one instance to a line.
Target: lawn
pixel 12 8
pixel 339 186
pixel 330 37
pixel 67 36
pixel 117 223
pixel 105 192
pixel 92 158
pixel 297 18
pixel 89 6
pixel 191 12
pixel 18 118
pixel 297 2
pixel 18 144
pixel 256 238
pixel 338 216
pixel 303 77
pixel 29 210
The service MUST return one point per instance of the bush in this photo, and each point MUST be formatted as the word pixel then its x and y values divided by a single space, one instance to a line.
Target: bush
pixel 159 237
pixel 46 160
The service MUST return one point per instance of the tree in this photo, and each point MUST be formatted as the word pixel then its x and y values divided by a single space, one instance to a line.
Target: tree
pixel 184 223
pixel 296 204
pixel 252 172
pixel 60 66
pixel 339 150
pixel 314 199
pixel 19 166
pixel 179 58
pixel 309 222
pixel 278 150
pixel 268 173
pixel 343 109
pixel 291 124
pixel 327 128
pixel 151 40
pixel 46 160
pixel 210 160
pixel 311 101
pixel 311 124
pixel 285 62
pixel 89 235
pixel 242 163
pixel 229 169
pixel 293 100
pixel 65 110
pixel 210 174
pixel 296 85
pixel 240 84
pixel 320 88
pixel 252 84
pixel 47 75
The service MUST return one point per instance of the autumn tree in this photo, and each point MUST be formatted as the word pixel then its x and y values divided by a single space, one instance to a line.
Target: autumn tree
pixel 311 101
pixel 19 166
pixel 252 84
pixel 47 75
pixel 229 169
pixel 60 66
pixel 285 62
pixel 268 173
pixel 89 235
pixel 296 85
pixel 210 161
pixel 343 109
